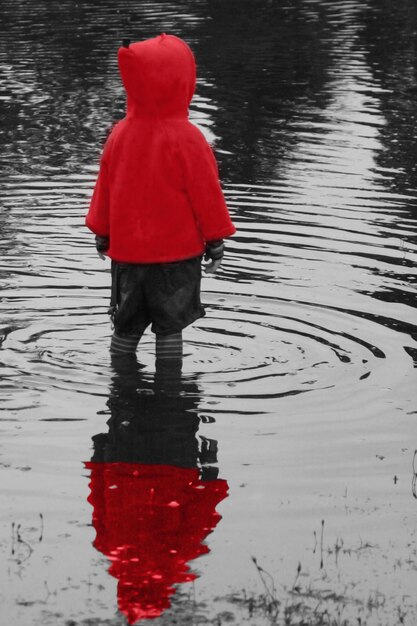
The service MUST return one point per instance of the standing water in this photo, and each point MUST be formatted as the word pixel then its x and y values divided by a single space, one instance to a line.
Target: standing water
pixel 276 478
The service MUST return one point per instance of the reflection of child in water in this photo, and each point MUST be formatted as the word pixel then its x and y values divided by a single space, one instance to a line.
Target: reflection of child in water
pixel 153 504
pixel 154 422
pixel 157 205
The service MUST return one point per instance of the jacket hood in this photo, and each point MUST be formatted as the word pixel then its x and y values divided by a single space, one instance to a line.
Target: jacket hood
pixel 159 76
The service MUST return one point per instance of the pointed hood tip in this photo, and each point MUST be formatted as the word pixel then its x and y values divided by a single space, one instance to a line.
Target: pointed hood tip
pixel 159 80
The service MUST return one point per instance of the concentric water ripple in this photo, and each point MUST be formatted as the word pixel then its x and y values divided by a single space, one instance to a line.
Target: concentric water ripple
pixel 295 312
pixel 250 348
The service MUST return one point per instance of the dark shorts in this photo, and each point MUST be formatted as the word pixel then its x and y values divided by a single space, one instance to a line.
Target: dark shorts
pixel 166 295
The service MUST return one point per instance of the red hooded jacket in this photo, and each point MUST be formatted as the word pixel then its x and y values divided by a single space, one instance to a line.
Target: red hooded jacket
pixel 158 196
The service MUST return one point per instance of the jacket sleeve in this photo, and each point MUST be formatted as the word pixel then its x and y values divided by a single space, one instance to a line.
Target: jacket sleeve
pixel 97 219
pixel 201 180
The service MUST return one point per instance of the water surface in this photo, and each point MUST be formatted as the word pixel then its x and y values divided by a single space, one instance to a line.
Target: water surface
pixel 298 390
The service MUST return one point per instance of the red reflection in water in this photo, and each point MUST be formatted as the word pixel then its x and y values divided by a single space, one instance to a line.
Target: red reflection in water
pixel 150 522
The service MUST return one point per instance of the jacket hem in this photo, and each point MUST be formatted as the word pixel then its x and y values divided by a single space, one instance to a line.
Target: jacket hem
pixel 150 261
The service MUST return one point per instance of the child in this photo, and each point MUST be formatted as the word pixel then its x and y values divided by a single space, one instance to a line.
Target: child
pixel 157 206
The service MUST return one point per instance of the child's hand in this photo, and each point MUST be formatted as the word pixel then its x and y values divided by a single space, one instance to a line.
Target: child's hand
pixel 214 254
pixel 102 245
pixel 212 267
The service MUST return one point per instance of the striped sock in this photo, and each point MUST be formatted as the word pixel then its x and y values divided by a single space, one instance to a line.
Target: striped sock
pixel 169 346
pixel 123 344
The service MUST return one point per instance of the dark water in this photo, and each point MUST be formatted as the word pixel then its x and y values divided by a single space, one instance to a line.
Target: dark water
pixel 297 401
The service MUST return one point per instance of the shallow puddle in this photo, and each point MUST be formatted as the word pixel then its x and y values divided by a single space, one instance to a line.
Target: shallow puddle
pixel 277 472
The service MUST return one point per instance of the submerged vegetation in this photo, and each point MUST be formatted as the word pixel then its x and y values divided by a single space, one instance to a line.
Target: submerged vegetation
pixel 308 606
pixel 305 603
pixel 323 595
